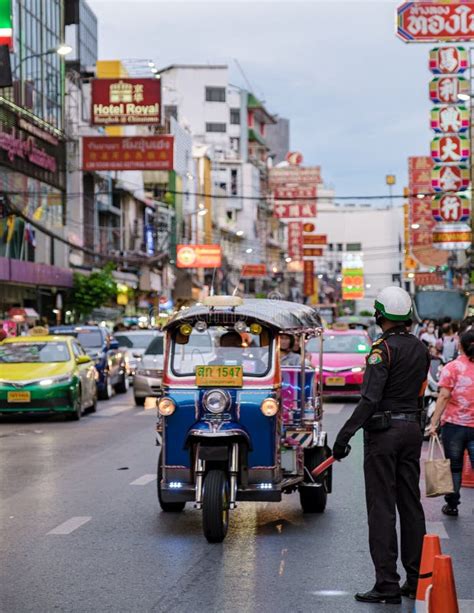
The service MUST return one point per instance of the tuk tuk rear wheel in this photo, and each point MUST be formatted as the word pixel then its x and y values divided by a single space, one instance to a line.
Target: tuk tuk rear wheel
pixel 215 506
pixel 167 507
pixel 313 499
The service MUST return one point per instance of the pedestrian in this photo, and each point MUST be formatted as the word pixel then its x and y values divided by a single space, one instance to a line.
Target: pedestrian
pixel 389 411
pixel 455 410
pixel 429 336
pixel 449 343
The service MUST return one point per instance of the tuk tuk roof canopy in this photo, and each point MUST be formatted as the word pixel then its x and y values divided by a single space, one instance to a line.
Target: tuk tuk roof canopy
pixel 279 314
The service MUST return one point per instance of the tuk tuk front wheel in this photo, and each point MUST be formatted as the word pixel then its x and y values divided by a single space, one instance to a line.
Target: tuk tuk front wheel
pixel 167 507
pixel 215 506
pixel 313 499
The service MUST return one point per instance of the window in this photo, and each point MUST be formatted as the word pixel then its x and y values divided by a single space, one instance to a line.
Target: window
pixel 235 116
pixel 353 247
pixel 330 247
pixel 215 94
pixel 235 144
pixel 233 182
pixel 216 127
pixel 171 111
pixel 339 246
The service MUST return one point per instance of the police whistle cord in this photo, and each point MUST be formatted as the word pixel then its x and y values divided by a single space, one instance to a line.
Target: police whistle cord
pixel 323 466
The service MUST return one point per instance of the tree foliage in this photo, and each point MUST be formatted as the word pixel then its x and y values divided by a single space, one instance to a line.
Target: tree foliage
pixel 93 291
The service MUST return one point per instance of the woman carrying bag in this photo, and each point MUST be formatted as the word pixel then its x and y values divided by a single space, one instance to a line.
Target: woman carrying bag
pixel 455 409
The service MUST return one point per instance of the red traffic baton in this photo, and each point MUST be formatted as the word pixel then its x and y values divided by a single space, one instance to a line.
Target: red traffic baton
pixel 323 466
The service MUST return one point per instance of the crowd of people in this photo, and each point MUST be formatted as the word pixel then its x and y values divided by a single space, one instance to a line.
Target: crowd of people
pixel 442 338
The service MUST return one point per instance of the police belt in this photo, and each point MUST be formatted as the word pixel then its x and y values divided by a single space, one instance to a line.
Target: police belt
pixel 406 416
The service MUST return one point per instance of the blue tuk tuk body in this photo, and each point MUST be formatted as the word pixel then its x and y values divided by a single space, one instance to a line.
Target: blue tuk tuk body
pixel 233 424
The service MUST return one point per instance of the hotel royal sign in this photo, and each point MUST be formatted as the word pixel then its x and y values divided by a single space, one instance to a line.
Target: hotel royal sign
pixel 126 102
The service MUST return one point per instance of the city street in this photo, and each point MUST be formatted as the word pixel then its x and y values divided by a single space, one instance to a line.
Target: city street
pixel 81 530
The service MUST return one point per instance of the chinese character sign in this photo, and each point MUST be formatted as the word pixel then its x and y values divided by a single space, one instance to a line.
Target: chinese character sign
pixel 445 90
pixel 126 102
pixel 450 149
pixel 450 178
pixel 295 242
pixel 294 210
pixel 450 208
pixel 449 60
pixel 450 119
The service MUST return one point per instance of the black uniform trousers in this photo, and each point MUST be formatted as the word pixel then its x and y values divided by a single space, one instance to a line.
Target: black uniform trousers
pixel 392 474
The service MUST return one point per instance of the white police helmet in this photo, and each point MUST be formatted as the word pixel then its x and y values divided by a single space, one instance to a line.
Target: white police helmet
pixel 394 303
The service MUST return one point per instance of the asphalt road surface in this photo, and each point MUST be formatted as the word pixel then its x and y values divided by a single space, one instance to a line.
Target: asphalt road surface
pixel 81 531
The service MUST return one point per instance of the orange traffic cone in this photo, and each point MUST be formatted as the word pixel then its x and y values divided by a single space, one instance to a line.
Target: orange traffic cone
pixel 442 597
pixel 467 472
pixel 431 548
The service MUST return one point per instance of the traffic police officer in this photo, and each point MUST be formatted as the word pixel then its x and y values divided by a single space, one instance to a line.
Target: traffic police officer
pixel 389 411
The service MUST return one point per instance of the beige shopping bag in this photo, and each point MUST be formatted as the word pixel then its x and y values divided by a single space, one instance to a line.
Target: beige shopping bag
pixel 438 477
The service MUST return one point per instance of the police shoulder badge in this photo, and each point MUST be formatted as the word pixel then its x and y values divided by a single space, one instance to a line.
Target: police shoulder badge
pixel 375 358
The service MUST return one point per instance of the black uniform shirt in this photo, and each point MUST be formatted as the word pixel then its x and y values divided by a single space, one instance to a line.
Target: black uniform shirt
pixel 396 370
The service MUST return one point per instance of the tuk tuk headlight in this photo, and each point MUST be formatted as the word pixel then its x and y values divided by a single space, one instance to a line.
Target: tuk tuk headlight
pixel 166 407
pixel 216 401
pixel 269 407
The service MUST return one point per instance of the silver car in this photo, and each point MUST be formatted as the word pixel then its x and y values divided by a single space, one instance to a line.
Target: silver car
pixel 135 342
pixel 149 373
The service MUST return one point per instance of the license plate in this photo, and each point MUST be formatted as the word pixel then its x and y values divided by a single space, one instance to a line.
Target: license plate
pixel 219 376
pixel 335 381
pixel 19 397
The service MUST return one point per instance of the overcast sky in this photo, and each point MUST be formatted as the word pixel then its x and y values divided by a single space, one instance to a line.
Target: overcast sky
pixel 356 95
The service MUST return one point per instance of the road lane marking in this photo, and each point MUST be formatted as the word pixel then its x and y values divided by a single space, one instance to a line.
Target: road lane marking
pixel 144 480
pixel 330 593
pixel 70 525
pixel 437 527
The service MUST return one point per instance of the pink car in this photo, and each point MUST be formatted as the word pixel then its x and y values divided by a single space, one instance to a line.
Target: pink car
pixel 344 355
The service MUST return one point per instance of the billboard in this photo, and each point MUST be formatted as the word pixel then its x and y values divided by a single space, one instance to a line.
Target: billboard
pixel 431 21
pixel 254 270
pixel 127 153
pixel 198 256
pixel 126 102
pixel 6 23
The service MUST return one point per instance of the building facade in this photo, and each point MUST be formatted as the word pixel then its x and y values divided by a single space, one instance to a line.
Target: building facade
pixel 33 266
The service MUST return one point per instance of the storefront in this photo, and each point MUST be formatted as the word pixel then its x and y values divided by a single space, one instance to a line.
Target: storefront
pixel 33 268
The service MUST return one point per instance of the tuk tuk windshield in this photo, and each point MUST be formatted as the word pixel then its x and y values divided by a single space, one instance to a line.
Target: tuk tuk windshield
pixel 221 346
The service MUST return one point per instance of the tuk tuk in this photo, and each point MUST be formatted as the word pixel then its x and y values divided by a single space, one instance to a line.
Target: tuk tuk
pixel 233 423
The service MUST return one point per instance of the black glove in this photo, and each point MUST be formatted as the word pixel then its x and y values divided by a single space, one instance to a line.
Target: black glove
pixel 340 451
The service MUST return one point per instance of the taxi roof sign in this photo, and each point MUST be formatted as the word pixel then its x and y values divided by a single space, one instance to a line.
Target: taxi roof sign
pixel 223 301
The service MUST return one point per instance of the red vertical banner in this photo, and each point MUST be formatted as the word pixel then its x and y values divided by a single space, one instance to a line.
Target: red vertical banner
pixel 308 286
pixel 295 239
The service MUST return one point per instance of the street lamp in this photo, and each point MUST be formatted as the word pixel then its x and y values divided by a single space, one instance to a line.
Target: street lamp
pixel 62 50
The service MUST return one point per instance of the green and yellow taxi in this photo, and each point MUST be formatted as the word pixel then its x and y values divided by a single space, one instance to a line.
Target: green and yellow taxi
pixel 46 374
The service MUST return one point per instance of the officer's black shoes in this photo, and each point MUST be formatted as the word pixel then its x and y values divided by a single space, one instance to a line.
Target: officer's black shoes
pixel 375 597
pixel 451 511
pixel 408 591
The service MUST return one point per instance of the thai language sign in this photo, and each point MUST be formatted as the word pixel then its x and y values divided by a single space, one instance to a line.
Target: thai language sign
pixel 126 102
pixel 198 256
pixel 249 271
pixel 127 153
pixel 435 21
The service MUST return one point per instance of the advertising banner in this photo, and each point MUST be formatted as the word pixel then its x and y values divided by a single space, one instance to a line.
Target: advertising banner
pixel 450 208
pixel 315 239
pixel 198 256
pixel 6 23
pixel 449 60
pixel 126 102
pixel 450 119
pixel 353 283
pixel 445 90
pixel 431 21
pixel 308 283
pixel 452 237
pixel 297 176
pixel 254 270
pixel 127 153
pixel 294 210
pixel 450 178
pixel 295 239
pixel 294 193
pixel 429 278
pixel 312 252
